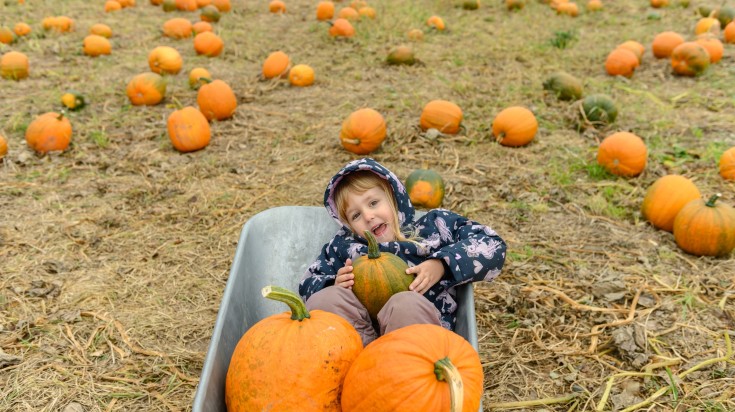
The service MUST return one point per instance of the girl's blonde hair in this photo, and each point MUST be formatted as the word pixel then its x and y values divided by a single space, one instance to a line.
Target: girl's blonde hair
pixel 360 182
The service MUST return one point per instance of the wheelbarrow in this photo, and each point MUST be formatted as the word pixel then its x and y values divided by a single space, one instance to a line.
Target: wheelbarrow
pixel 275 248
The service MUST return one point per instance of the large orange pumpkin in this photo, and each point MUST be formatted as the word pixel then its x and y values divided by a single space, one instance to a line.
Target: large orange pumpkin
pixel 208 44
pixel 216 100
pixel 14 65
pixel 727 164
pixel 419 367
pixel 49 132
pixel 363 131
pixel 705 228
pixel 146 89
pixel 324 10
pixel 277 6
pixel 515 126
pixel 425 188
pixel 188 129
pixel 378 275
pixel 165 60
pixel 95 45
pixel 442 115
pixel 177 28
pixel 623 154
pixel 292 361
pixel 276 65
pixel 689 59
pixel 665 43
pixel 665 198
pixel 621 62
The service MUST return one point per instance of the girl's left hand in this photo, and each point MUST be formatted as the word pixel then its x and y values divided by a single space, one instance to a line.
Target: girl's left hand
pixel 427 274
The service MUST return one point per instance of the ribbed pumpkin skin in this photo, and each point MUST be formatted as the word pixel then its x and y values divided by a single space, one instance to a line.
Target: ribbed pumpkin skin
pixel 564 86
pixel 377 279
pixel 599 109
pixel 188 130
pixel 727 164
pixel 146 89
pixel 363 131
pixel 425 188
pixel 216 100
pixel 396 372
pixel 623 154
pixel 515 126
pixel 689 59
pixel 665 198
pixel 442 115
pixel 281 364
pixel 704 230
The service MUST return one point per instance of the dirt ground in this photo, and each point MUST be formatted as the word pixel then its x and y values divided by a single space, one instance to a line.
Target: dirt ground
pixel 114 254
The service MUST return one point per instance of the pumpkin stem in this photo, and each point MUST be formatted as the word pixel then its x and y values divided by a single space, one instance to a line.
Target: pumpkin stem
pixel 61 114
pixel 713 199
pixel 500 137
pixel 373 251
pixel 445 370
pixel 205 79
pixel 298 308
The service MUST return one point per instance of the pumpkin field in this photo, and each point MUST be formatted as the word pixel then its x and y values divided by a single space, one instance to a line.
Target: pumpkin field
pixel 120 211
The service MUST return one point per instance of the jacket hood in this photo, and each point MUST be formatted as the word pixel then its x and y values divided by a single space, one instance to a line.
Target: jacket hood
pixel 405 208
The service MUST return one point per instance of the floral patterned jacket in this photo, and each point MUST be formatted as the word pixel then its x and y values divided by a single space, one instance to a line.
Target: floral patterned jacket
pixel 469 250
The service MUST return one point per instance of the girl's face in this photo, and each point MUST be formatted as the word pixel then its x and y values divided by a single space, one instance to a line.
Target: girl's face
pixel 371 211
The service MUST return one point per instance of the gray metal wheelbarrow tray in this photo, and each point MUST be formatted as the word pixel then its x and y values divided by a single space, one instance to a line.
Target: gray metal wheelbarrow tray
pixel 275 248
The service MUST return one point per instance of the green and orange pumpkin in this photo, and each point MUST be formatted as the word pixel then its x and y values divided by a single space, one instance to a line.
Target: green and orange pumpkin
pixel 564 86
pixel 425 188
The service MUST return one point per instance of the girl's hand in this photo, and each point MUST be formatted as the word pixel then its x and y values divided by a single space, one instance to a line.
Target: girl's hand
pixel 428 273
pixel 345 278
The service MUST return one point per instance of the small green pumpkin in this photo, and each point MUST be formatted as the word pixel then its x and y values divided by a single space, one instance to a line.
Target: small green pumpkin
pixel 378 276
pixel 73 100
pixel 598 110
pixel 425 188
pixel 564 86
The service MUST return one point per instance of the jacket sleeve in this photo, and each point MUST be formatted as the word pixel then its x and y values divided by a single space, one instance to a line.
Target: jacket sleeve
pixel 470 251
pixel 323 271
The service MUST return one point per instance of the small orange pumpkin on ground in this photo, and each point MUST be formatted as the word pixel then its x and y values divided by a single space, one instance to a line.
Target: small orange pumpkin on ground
pixel 112 5
pixel 515 126
pixel 657 4
pixel 727 164
pixel 208 44
pixel 223 5
pixel 568 8
pixel 277 6
pixel 49 132
pixel 188 129
pixel 198 76
pixel 415 35
pixel 6 35
pixel 436 22
pixel 21 29
pixel 442 115
pixel 621 62
pixel 324 10
pixel 425 188
pixel 216 100
pixel 146 89
pixel 363 131
pixel 424 359
pixel 348 13
pixel 689 59
pixel 594 5
pixel 623 154
pixel 705 228
pixel 95 45
pixel 165 60
pixel 101 30
pixel 341 28
pixel 367 12
pixel 729 33
pixel 14 65
pixel 665 198
pixel 3 147
pixel 177 28
pixel 203 3
pixel 637 48
pixel 664 43
pixel 707 25
pixel 186 5
pixel 301 75
pixel 276 65
pixel 713 46
pixel 201 27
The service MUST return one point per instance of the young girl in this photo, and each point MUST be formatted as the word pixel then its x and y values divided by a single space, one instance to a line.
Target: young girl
pixel 442 249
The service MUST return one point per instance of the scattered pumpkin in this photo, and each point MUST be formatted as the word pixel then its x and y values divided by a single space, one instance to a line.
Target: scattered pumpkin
pixel 168 5
pixel 64 24
pixel 725 15
pixel 186 5
pixel 6 35
pixel 301 75
pixel 420 367
pixel 73 100
pixel 665 43
pixel 689 59
pixel 210 14
pixel 14 65
pixel 348 13
pixel 95 45
pixel 729 33
pixel 471 4
pixel 363 131
pixel 598 110
pixel 208 44
pixel 657 4
pixel 564 86
pixel 156 2
pixel 307 352
pixel 568 8
pixel 198 76
pixel 637 48
pixel 188 130
pixel 204 3
pixel 101 30
pixel 216 100
pixel 324 10
pixel 112 5
pixel 358 4
pixel 367 12
pixel 436 22
pixel 21 29
pixel 3 147
pixel 223 5
pixel 126 3
pixel 665 198
pixel 442 115
pixel 49 132
pixel 623 154
pixel 415 35
pixel 706 228
pixel 378 276
pixel 276 65
pixel 713 45
pixel 201 27
pixel 515 4
pixel 594 5
pixel 401 55
pixel 341 28
pixel 277 6
pixel 146 89
pixel 165 60
pixel 515 126
pixel 621 62
pixel 425 188
pixel 707 25
pixel 177 28
pixel 727 164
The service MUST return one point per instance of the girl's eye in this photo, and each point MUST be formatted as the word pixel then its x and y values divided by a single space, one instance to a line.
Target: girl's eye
pixel 373 203
pixel 355 216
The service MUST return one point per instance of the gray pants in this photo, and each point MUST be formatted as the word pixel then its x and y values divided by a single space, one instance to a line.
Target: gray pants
pixel 402 309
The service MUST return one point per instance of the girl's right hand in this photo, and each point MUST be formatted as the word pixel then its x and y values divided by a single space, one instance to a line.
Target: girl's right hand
pixel 345 277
